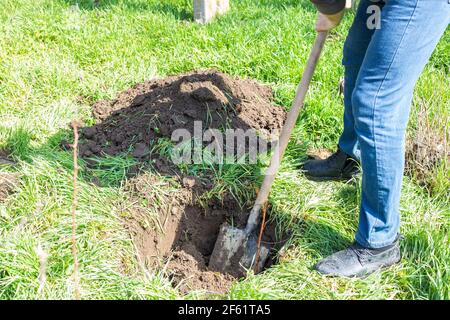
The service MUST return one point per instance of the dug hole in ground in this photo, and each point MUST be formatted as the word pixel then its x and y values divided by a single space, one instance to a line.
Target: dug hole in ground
pixel 180 236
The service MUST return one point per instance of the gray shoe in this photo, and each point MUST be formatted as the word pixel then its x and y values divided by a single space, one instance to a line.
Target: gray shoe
pixel 358 261
pixel 338 166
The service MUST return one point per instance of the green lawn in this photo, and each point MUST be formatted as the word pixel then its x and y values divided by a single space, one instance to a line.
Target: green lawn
pixel 57 58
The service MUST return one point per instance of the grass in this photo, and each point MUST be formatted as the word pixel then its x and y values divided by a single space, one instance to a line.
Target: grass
pixel 57 57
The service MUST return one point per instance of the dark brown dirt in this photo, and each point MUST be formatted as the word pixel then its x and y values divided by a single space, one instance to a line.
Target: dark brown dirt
pixel 153 109
pixel 189 234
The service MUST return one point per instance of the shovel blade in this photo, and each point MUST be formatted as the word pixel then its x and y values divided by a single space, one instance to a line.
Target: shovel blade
pixel 236 245
pixel 249 256
pixel 229 241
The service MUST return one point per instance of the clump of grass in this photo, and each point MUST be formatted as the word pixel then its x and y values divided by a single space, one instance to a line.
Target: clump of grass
pixel 428 151
pixel 109 170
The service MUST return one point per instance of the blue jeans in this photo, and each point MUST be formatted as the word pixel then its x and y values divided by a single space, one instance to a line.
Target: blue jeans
pixel 382 66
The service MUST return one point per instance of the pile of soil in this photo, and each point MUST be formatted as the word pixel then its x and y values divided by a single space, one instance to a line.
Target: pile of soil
pixel 189 233
pixel 154 109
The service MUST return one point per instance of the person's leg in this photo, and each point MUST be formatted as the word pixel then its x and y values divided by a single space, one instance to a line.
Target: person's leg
pixel 342 165
pixel 355 48
pixel 381 98
pixel 397 54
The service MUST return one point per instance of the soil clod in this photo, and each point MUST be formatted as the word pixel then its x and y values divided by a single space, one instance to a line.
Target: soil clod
pixel 5 159
pixel 190 182
pixel 8 182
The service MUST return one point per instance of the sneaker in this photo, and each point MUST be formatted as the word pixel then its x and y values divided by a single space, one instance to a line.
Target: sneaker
pixel 358 261
pixel 338 166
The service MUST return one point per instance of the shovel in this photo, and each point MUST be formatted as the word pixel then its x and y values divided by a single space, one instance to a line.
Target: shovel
pixel 234 245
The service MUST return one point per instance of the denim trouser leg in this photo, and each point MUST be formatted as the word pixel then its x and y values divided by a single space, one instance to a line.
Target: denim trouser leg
pixel 381 98
pixel 355 47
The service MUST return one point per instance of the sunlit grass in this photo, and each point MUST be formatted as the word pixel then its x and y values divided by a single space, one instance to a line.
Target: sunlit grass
pixel 58 57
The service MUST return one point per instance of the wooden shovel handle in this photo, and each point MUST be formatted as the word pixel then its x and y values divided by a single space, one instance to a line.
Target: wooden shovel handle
pixel 291 119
